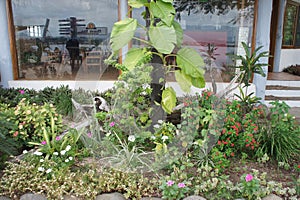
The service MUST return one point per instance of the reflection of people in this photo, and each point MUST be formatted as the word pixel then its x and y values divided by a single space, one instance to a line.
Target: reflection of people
pixel 58 55
pixel 73 48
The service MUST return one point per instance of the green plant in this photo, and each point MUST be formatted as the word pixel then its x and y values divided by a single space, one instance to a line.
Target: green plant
pixel 172 190
pixel 30 120
pixel 165 40
pixel 249 185
pixel 279 134
pixel 250 63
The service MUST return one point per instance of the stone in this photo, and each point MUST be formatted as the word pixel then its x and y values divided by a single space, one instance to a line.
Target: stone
pixel 194 197
pixel 69 197
pixel 4 198
pixel 111 196
pixel 30 196
pixel 272 197
pixel 151 198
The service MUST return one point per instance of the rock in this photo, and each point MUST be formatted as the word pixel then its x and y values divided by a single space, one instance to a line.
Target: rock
pixel 30 196
pixel 69 197
pixel 4 198
pixel 111 196
pixel 194 197
pixel 272 197
pixel 151 198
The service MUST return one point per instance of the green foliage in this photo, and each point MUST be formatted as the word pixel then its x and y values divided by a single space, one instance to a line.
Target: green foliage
pixel 7 145
pixel 30 120
pixel 165 39
pixel 279 134
pixel 250 63
pixel 22 177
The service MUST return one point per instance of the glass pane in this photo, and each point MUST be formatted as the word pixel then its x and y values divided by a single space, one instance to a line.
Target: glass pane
pixel 214 29
pixel 289 25
pixel 66 39
pixel 297 39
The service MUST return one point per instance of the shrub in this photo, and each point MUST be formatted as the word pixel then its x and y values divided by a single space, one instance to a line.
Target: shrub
pixel 279 136
pixel 30 120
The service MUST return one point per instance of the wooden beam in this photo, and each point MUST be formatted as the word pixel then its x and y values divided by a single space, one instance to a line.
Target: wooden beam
pixel 12 39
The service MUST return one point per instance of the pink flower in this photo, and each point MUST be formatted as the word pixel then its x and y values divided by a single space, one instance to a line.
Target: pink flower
pixel 21 91
pixel 43 142
pixel 112 124
pixel 170 183
pixel 89 134
pixel 248 177
pixel 181 185
pixel 57 138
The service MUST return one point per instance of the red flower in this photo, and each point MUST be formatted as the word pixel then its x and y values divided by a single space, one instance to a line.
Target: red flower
pixel 232 154
pixel 16 134
pixel 232 145
pixel 219 142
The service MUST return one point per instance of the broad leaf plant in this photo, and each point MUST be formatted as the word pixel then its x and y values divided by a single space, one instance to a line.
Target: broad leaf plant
pixel 164 39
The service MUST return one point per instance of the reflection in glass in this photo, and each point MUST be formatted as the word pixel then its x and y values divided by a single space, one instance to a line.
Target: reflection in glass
pixel 64 39
pixel 214 29
pixel 289 24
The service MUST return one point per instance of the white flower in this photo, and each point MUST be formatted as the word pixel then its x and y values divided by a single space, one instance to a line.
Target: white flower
pixel 67 160
pixel 41 169
pixel 25 151
pixel 55 153
pixel 285 114
pixel 160 121
pixel 41 160
pixel 131 138
pixel 156 126
pixel 164 137
pixel 153 137
pixel 38 153
pixel 63 152
pixel 70 158
pixel 49 170
pixel 68 148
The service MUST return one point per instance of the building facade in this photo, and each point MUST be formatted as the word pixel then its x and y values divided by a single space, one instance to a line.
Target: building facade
pixel 54 42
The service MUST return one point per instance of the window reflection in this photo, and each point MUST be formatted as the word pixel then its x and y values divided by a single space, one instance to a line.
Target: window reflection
pixel 64 39
pixel 214 29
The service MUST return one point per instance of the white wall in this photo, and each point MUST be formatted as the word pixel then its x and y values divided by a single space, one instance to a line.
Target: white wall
pixel 289 57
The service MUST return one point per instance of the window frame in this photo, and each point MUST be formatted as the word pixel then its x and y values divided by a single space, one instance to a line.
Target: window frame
pixel 13 42
pixel 295 24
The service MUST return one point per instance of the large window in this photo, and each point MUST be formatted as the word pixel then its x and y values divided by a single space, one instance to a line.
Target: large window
pixel 215 29
pixel 64 39
pixel 291 27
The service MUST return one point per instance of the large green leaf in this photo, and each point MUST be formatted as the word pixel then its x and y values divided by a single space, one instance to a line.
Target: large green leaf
pixel 198 82
pixel 184 81
pixel 133 57
pixel 137 3
pixel 163 10
pixel 168 1
pixel 168 100
pixel 179 33
pixel 190 62
pixel 122 32
pixel 163 38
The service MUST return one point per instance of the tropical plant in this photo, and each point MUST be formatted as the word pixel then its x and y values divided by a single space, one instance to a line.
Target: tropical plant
pixel 165 40
pixel 249 64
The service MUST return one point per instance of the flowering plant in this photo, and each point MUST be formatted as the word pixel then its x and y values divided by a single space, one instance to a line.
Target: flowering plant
pixel 249 185
pixel 172 190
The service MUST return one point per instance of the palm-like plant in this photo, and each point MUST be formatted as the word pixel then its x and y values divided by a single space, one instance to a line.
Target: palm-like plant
pixel 250 63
